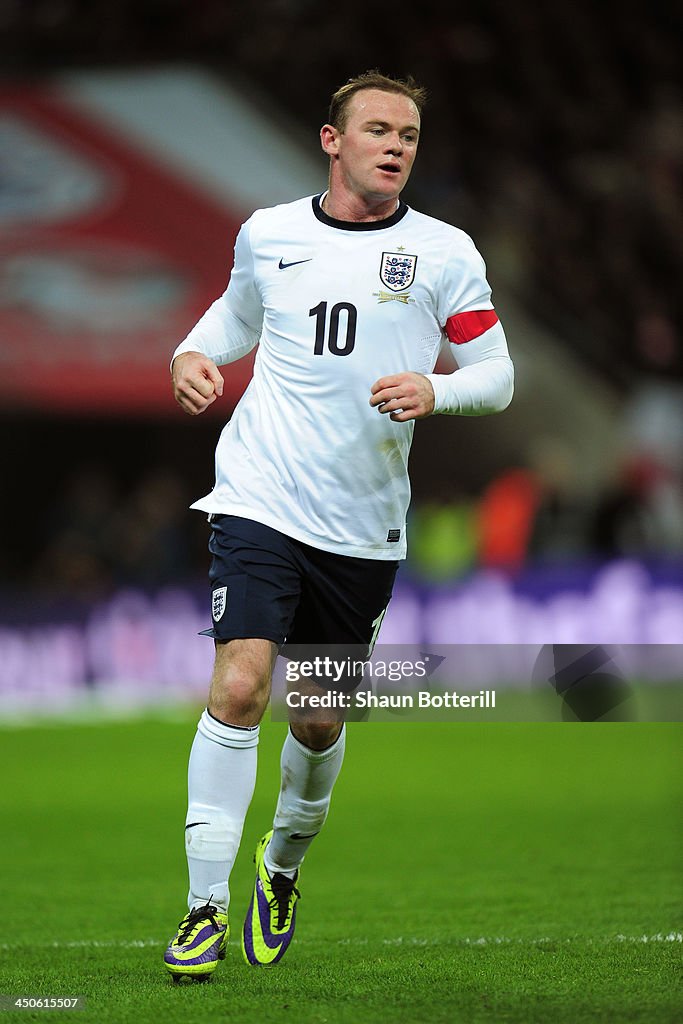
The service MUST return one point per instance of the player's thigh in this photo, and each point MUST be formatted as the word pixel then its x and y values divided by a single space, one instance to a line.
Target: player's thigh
pixel 342 605
pixel 343 600
pixel 241 679
pixel 255 589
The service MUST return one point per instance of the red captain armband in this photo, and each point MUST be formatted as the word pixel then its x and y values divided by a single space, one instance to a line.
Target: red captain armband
pixel 466 326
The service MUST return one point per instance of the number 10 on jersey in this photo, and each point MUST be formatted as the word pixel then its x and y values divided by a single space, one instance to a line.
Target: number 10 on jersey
pixel 321 328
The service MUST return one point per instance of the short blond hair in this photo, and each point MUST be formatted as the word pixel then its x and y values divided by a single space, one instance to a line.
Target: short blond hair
pixel 339 104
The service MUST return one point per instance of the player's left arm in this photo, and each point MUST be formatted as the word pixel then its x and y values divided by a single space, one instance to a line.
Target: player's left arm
pixel 404 396
pixel 483 383
pixel 484 380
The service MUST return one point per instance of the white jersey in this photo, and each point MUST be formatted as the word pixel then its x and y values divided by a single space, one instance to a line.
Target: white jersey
pixel 335 306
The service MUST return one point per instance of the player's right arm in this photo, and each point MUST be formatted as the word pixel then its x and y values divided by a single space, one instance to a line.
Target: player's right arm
pixel 230 328
pixel 197 381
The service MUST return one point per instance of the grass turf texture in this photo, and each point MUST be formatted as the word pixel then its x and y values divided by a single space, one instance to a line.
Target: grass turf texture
pixel 548 841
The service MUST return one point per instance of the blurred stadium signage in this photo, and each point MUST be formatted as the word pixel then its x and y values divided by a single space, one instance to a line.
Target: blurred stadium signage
pixel 136 649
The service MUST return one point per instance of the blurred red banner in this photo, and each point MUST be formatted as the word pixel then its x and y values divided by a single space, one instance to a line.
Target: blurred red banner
pixel 107 259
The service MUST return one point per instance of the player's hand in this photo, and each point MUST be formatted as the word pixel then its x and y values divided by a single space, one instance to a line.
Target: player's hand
pixel 196 382
pixel 405 396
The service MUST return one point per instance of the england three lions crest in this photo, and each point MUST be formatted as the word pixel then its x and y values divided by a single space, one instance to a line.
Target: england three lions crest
pixel 397 270
pixel 218 603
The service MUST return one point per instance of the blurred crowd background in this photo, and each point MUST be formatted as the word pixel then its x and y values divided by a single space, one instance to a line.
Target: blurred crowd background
pixel 559 123
pixel 553 136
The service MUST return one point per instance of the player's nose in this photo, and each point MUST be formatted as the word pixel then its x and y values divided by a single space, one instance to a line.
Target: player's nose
pixel 394 144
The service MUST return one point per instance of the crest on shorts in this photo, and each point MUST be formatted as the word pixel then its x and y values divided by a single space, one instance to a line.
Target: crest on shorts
pixel 397 270
pixel 218 603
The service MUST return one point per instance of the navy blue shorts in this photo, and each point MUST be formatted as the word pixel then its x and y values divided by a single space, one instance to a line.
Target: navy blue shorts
pixel 265 584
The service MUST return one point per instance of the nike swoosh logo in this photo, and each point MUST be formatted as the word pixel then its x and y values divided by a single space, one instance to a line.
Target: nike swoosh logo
pixel 251 923
pixel 263 911
pixel 299 835
pixel 284 266
pixel 204 941
pixel 193 823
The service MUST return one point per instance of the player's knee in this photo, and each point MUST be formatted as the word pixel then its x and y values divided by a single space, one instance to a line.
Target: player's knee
pixel 316 735
pixel 239 701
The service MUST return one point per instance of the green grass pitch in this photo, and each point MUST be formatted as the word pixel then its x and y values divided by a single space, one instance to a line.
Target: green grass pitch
pixel 468 872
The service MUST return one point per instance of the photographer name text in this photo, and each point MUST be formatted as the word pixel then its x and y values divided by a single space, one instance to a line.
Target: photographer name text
pixel 368 699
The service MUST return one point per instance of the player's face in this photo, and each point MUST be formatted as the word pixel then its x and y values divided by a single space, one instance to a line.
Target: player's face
pixel 376 150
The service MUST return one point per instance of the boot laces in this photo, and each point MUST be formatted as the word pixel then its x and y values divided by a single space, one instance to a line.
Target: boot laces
pixel 283 888
pixel 189 923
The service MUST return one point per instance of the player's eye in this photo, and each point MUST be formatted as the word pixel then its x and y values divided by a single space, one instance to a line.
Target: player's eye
pixel 377 131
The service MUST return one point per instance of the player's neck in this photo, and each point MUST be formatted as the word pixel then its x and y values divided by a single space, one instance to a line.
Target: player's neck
pixel 349 207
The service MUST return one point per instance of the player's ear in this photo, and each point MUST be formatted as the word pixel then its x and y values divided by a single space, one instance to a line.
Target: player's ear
pixel 329 139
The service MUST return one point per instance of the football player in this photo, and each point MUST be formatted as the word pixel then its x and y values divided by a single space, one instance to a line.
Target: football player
pixel 348 295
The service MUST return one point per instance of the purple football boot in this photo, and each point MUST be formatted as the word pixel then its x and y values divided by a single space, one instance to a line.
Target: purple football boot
pixel 199 943
pixel 269 924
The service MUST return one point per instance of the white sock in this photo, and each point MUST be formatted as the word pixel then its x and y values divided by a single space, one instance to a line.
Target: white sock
pixel 303 802
pixel 221 779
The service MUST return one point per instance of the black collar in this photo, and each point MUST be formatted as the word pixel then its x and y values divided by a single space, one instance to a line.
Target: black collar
pixel 358 225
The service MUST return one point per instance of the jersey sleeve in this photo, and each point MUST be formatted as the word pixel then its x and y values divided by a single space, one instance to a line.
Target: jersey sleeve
pixel 463 285
pixel 231 326
pixel 484 380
